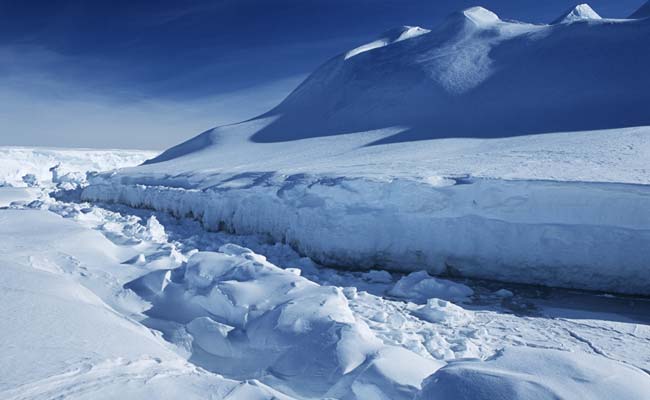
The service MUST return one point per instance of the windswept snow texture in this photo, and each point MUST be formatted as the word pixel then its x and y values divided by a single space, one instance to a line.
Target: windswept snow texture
pixel 368 163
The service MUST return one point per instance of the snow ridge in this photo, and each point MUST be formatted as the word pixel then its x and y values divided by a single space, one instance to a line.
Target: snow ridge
pixel 392 36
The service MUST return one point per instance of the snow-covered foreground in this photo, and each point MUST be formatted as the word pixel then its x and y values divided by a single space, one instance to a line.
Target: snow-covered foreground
pixel 413 152
pixel 105 301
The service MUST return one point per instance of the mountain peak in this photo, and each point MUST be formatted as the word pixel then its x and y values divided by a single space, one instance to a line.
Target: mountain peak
pixel 642 12
pixel 580 12
pixel 480 16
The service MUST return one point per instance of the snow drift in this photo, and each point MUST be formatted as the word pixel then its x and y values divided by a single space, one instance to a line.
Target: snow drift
pixel 247 317
pixel 363 166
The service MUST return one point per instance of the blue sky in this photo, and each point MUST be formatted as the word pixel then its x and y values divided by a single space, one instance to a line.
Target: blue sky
pixel 148 74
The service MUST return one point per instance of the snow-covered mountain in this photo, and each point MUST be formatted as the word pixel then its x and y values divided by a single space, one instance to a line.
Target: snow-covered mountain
pixel 413 152
pixel 581 12
pixel 291 256
pixel 479 76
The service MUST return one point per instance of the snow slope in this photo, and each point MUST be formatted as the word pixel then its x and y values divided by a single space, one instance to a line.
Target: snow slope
pixel 479 76
pixel 364 166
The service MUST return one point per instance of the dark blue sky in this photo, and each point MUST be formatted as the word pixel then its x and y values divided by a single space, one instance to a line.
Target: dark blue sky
pixel 151 73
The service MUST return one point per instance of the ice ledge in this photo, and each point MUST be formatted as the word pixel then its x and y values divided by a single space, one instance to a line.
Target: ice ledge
pixel 563 234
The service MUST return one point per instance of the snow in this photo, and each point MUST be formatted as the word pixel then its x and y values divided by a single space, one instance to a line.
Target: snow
pixel 442 311
pixel 420 286
pixel 154 306
pixel 476 75
pixel 528 373
pixel 375 161
pixel 60 339
pixel 581 12
pixel 480 16
pixel 10 195
pixel 293 255
pixel 19 162
pixel 571 234
pixel 247 316
pixel 389 37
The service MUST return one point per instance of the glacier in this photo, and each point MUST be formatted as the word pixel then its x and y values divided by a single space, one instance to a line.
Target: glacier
pixel 416 153
pixel 453 212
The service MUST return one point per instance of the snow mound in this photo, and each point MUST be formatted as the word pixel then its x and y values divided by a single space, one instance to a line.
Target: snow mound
pixel 420 286
pixel 392 36
pixel 443 312
pixel 531 374
pixel 642 12
pixel 247 317
pixel 581 12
